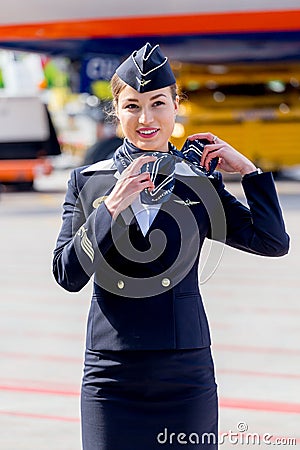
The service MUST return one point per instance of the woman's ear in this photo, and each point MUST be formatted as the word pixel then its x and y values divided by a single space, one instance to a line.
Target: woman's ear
pixel 176 103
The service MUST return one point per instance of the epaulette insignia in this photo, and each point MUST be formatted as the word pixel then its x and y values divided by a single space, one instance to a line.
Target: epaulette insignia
pixel 85 243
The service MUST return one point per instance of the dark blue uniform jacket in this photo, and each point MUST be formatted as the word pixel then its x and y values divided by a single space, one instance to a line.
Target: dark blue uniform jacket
pixel 146 288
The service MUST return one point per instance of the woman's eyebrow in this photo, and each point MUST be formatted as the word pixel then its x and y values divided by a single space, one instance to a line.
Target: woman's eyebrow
pixel 130 100
pixel 157 95
pixel 136 100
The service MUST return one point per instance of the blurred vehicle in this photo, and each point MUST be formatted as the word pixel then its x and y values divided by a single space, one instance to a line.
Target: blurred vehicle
pixel 27 140
pixel 190 30
pixel 254 107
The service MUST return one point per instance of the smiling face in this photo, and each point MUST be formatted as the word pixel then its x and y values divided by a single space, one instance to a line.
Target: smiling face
pixel 147 119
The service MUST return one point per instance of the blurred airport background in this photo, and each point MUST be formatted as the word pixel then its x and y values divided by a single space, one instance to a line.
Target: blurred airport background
pixel 253 106
pixel 49 120
pixel 238 69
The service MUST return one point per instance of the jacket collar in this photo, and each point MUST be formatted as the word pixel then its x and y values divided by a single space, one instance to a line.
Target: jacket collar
pixel 107 165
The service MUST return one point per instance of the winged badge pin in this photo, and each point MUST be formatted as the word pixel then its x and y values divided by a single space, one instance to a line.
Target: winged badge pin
pixel 186 202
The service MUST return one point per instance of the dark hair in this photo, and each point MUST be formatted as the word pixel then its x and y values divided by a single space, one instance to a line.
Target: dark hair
pixel 117 85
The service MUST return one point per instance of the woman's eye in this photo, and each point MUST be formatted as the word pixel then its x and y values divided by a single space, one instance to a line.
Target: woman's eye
pixel 158 103
pixel 131 106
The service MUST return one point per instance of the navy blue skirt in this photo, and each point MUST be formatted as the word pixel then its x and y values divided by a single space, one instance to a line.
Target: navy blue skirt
pixel 149 399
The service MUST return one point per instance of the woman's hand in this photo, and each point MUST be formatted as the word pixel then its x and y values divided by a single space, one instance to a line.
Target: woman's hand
pixel 230 160
pixel 129 186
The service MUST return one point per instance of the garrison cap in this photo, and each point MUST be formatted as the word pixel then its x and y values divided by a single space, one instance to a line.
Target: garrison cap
pixel 146 69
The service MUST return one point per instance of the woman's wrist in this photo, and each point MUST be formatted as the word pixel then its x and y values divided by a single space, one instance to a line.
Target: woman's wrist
pixel 248 169
pixel 258 171
pixel 111 207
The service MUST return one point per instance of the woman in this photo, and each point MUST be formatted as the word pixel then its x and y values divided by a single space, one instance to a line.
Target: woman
pixel 137 223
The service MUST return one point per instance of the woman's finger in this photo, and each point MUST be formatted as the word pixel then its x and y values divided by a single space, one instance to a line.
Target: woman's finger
pixel 140 181
pixel 207 135
pixel 137 164
pixel 142 176
pixel 210 151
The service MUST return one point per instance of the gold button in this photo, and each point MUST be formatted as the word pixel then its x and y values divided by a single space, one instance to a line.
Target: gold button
pixel 120 284
pixel 165 282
